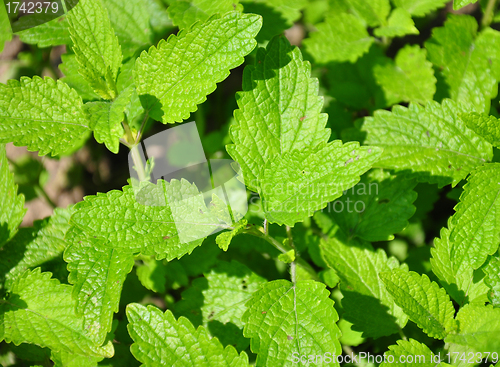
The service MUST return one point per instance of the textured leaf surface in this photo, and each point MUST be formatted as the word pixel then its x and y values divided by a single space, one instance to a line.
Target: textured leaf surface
pixel 96 46
pixel 295 185
pixel 476 223
pixel 410 350
pixel 376 207
pixel 465 60
pixel 492 280
pixel 34 246
pixel 98 273
pixel 431 142
pixel 373 12
pixel 367 304
pixel 12 205
pixel 460 282
pixel 170 220
pixel 478 329
pixel 152 274
pixel 399 24
pixel 74 79
pixel 411 78
pixel 184 13
pixel 419 8
pixel 53 33
pixel 42 114
pixel 458 4
pixel 41 311
pixel 283 318
pixel 224 239
pixel 279 110
pixel 106 119
pixel 161 340
pixel 484 125
pixel 342 37
pixel 423 301
pixel 179 73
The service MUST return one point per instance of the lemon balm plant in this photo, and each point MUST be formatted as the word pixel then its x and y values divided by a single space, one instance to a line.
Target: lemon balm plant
pixel 397 115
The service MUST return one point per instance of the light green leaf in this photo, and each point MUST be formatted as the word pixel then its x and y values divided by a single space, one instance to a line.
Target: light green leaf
pixel 295 185
pixel 279 110
pixel 168 220
pixel 152 274
pixel 462 283
pixel 484 125
pixel 283 318
pixel 458 4
pixel 5 27
pixel 423 301
pixel 411 353
pixel 430 142
pixel 34 246
pixel 161 340
pixel 373 12
pixel 492 280
pixel 53 33
pixel 184 13
pixel 98 273
pixel 41 311
pixel 399 24
pixel 224 239
pixel 478 330
pixel 342 37
pixel 419 8
pixel 130 22
pixel 410 79
pixel 12 205
pixel 106 120
pixel 96 47
pixel 178 74
pixel 375 208
pixel 42 114
pixel 69 67
pixel 465 60
pixel 367 304
pixel 476 223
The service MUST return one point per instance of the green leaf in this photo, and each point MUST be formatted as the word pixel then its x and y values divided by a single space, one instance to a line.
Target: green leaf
pixel 375 208
pixel 399 24
pixel 5 27
pixel 69 67
pixel 342 37
pixel 161 340
pixel 295 185
pixel 42 114
pixel 12 205
pixel 367 304
pixel 492 280
pixel 410 79
pixel 96 47
pixel 423 301
pixel 279 110
pixel 465 60
pixel 98 273
pixel 462 283
pixel 130 21
pixel 373 12
pixel 410 353
pixel 283 318
pixel 184 13
pixel 152 274
pixel 40 310
pixel 172 78
pixel 478 330
pixel 476 223
pixel 224 239
pixel 484 125
pixel 168 220
pixel 430 142
pixel 53 33
pixel 419 8
pixel 106 120
pixel 458 4
pixel 34 246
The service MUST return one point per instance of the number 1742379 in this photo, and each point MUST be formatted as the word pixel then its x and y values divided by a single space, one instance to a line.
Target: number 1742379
pixel 32 7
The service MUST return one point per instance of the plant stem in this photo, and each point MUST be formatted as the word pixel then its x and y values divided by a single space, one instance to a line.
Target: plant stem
pixel 488 13
pixel 254 231
pixel 41 192
pixel 141 129
pixel 293 264
pixel 138 164
pixel 401 334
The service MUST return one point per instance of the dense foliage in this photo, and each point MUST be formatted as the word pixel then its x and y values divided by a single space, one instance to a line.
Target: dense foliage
pixel 369 153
